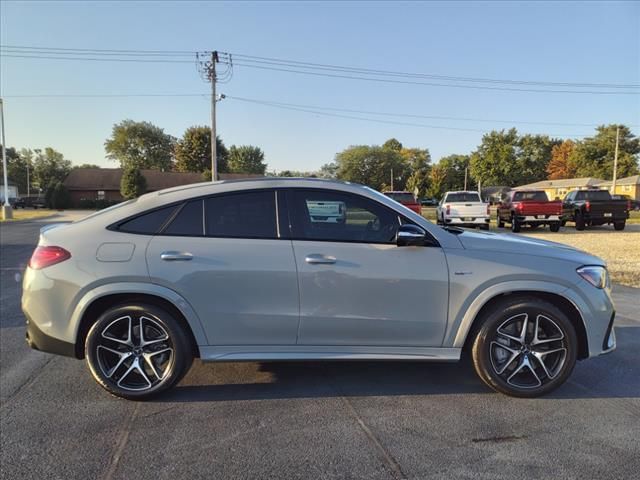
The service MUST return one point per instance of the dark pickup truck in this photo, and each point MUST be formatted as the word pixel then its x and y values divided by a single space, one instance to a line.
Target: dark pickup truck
pixel 594 207
pixel 529 207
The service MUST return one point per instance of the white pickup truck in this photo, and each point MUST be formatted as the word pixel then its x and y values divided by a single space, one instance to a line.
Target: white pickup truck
pixel 463 209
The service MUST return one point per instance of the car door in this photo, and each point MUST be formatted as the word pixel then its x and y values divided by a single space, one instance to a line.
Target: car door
pixel 356 286
pixel 225 256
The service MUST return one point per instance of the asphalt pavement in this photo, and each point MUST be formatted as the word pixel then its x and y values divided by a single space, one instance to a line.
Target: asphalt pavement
pixel 364 420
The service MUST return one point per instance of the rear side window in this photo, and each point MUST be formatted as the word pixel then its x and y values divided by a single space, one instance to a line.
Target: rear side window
pixel 188 221
pixel 148 223
pixel 530 196
pixel 462 197
pixel 595 195
pixel 242 215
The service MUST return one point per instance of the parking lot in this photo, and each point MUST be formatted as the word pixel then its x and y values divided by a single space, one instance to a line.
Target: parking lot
pixel 312 420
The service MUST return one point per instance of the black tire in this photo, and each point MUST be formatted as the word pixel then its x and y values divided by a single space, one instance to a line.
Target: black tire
pixel 105 349
pixel 563 223
pixel 580 223
pixel 484 227
pixel 619 225
pixel 522 383
pixel 554 226
pixel 515 225
pixel 499 221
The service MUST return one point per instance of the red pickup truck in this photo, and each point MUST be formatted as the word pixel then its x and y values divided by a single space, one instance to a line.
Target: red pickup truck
pixel 529 207
pixel 407 199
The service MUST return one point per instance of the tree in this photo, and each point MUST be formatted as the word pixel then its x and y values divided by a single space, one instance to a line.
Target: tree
pixel 133 184
pixel 16 170
pixel 455 166
pixel 86 165
pixel 494 161
pixel 328 170
pixel 419 162
pixel 532 157
pixel 392 144
pixel 141 145
pixel 49 167
pixel 372 166
pixel 246 159
pixel 193 151
pixel 593 156
pixel 562 164
pixel 437 179
pixel 57 196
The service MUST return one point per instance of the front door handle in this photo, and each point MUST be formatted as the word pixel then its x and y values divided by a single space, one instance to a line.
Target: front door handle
pixel 176 256
pixel 319 259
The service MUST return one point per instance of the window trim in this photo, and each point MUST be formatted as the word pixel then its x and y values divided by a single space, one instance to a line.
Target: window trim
pixel 288 194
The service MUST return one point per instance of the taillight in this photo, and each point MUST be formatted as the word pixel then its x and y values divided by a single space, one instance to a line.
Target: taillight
pixel 587 206
pixel 517 206
pixel 46 256
pixel 448 209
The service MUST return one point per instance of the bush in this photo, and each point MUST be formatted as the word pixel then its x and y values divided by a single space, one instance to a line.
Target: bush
pixel 57 196
pixel 133 183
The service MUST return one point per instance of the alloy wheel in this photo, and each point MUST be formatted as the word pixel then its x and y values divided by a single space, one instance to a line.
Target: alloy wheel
pixel 527 353
pixel 134 352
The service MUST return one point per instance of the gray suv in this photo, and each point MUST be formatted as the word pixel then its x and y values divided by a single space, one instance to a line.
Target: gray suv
pixel 250 271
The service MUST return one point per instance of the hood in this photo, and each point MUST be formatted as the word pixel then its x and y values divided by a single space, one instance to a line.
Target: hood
pixel 500 242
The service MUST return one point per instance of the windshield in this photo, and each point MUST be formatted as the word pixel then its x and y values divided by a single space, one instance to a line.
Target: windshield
pixel 401 197
pixel 463 197
pixel 591 195
pixel 530 196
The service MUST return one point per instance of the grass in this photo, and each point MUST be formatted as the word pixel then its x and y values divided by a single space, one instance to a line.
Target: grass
pixel 29 214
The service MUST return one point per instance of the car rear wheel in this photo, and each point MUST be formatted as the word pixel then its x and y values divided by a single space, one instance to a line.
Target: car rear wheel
pixel 525 347
pixel 136 351
pixel 580 223
pixel 619 225
pixel 554 226
pixel 500 222
pixel 515 225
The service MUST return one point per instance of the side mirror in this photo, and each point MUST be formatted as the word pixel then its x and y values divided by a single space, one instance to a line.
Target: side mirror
pixel 411 236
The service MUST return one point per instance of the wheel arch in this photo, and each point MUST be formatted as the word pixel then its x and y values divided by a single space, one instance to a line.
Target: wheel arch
pixel 94 303
pixel 465 334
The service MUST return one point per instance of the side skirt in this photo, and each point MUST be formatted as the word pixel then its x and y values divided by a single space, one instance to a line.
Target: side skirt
pixel 237 353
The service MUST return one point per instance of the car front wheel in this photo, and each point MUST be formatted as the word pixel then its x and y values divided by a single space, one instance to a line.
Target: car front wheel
pixel 525 347
pixel 137 351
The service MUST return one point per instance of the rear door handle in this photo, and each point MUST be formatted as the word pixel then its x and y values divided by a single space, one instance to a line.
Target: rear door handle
pixel 176 256
pixel 319 259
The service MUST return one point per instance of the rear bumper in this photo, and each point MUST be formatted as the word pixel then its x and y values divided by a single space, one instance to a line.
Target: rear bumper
pixel 484 220
pixel 538 218
pixel 38 340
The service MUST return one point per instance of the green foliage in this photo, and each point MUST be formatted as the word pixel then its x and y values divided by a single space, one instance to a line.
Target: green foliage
pixel 57 196
pixel 593 156
pixel 296 174
pixel 494 161
pixel 133 184
pixel 86 165
pixel 193 151
pixel 533 156
pixel 246 159
pixel 392 144
pixel 437 181
pixel 419 162
pixel 454 167
pixel 328 170
pixel 372 166
pixel 49 167
pixel 141 145
pixel 16 170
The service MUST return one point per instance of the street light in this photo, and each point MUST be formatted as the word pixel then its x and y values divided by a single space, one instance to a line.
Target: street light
pixel 7 211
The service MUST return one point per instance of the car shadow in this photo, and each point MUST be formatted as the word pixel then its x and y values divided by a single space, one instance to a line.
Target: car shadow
pixel 592 378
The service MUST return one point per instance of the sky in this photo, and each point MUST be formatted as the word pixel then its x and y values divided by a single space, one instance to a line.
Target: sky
pixel 574 42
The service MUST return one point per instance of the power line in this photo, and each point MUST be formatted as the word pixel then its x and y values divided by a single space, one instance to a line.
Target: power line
pixel 317 69
pixel 391 122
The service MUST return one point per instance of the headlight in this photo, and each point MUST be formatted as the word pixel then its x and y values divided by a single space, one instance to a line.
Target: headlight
pixel 595 275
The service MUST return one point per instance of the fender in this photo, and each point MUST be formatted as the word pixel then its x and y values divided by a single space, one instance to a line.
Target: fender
pixel 145 288
pixel 457 334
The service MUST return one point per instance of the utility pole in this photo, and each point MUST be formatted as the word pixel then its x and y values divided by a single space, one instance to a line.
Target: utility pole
pixel 214 146
pixel 392 179
pixel 28 186
pixel 465 179
pixel 7 211
pixel 615 162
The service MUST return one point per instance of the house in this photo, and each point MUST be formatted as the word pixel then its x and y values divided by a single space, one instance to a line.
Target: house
pixel 629 186
pixel 93 184
pixel 559 188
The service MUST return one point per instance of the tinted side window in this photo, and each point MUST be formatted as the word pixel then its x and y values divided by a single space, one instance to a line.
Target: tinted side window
pixel 242 215
pixel 334 216
pixel 188 221
pixel 148 223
